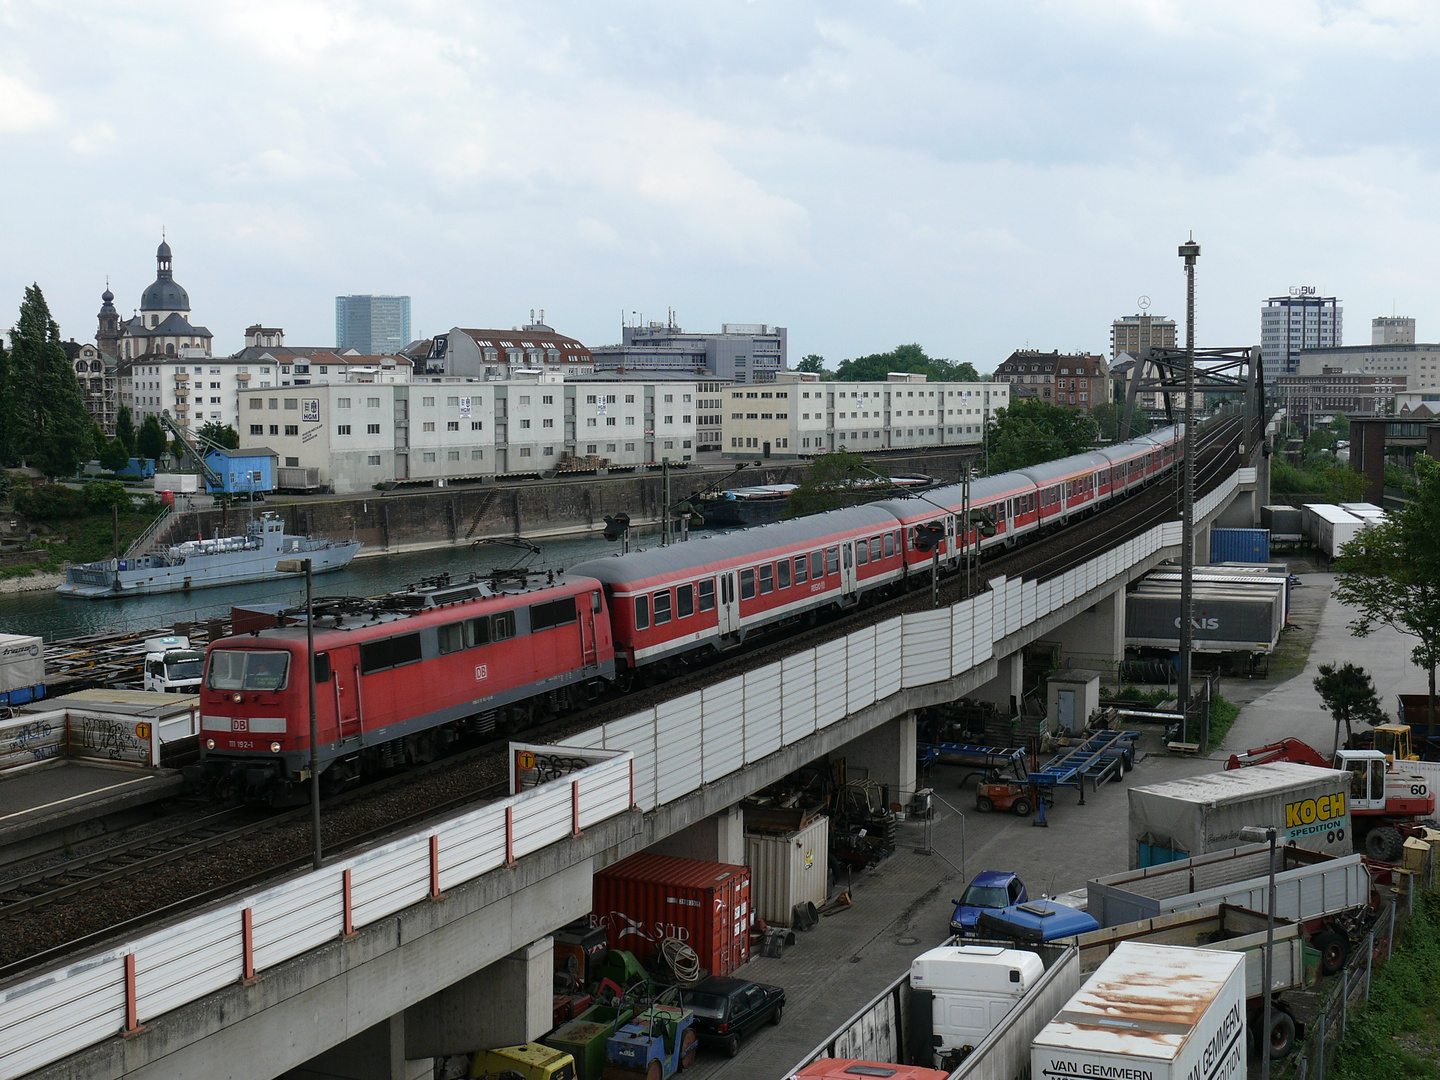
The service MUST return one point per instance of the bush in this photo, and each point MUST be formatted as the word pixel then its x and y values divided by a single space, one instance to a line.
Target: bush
pixel 100 495
pixel 48 502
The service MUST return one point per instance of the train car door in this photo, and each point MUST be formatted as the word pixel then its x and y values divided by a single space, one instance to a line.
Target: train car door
pixel 587 607
pixel 847 568
pixel 345 688
pixel 729 612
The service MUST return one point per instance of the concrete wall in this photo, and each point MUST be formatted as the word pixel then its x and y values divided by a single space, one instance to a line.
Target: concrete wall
pixel 718 838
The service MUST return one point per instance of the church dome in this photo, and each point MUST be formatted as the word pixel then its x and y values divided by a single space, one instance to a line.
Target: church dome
pixel 107 297
pixel 164 294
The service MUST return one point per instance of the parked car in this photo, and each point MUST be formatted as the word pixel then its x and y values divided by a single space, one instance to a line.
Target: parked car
pixel 726 1010
pixel 988 890
pixel 1036 920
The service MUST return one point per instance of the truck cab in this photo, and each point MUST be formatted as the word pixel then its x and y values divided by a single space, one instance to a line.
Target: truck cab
pixel 1378 788
pixel 968 989
pixel 171 666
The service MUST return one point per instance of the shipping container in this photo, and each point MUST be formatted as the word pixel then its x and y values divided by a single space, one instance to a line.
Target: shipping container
pixel 1363 509
pixel 1240 545
pixel 642 900
pixel 1161 1012
pixel 1286 523
pixel 22 668
pixel 787 869
pixel 180 483
pixel 291 478
pixel 1228 616
pixel 1331 527
pixel 1196 815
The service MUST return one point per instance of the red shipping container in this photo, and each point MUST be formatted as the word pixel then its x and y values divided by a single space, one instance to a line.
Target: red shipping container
pixel 642 900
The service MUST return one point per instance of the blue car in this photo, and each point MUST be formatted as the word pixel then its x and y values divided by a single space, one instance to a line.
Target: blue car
pixel 1036 921
pixel 989 890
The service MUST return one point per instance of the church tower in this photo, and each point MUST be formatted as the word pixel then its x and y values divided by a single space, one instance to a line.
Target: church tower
pixel 107 333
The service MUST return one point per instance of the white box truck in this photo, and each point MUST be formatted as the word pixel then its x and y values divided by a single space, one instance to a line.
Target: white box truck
pixel 964 991
pixel 22 669
pixel 1150 1012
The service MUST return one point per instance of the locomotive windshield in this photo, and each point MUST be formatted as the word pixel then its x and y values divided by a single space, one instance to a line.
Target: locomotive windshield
pixel 248 669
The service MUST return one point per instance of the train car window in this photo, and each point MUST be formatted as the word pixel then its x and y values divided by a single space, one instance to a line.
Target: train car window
pixel 862 552
pixel 747 584
pixel 874 549
pixel 551 614
pixel 707 594
pixel 662 607
pixel 832 560
pixel 910 539
pixel 642 613
pixel 817 565
pixel 782 574
pixel 502 626
pixel 684 601
pixel 388 653
pixel 477 632
pixel 595 602
pixel 889 545
pixel 767 578
pixel 802 569
pixel 451 638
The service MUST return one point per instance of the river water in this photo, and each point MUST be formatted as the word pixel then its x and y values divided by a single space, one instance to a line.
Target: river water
pixel 53 616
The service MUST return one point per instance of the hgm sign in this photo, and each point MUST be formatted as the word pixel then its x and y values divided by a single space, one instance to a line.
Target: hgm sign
pixel 1310 817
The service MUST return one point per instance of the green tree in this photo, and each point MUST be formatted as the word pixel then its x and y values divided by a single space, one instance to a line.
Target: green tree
pixel 1032 431
pixel 6 453
pixel 47 416
pixel 114 455
pixel 1350 696
pixel 907 358
pixel 836 480
pixel 150 442
pixel 223 434
pixel 813 364
pixel 1390 573
pixel 1109 419
pixel 125 428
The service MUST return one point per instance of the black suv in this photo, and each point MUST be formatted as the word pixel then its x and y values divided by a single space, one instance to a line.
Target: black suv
pixel 728 1009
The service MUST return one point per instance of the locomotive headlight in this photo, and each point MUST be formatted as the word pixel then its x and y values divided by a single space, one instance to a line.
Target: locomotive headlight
pixel 274 747
pixel 237 698
pixel 209 744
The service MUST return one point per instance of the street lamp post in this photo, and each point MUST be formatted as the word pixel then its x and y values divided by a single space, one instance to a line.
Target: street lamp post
pixel 305 566
pixel 1260 834
pixel 1189 251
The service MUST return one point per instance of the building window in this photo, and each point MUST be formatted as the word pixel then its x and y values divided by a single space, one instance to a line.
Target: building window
pixel 343 429
pixel 292 403
pixel 428 425
pixel 274 403
pixel 257 429
pixel 427 402
pixel 477 425
pixel 590 448
pixel 455 401
pixel 549 451
pixel 476 455
pixel 372 429
pixel 372 402
pixel 452 425
pixel 525 451
pixel 547 422
pixel 524 423
pixel 340 403
pixel 428 456
pixel 452 455
pixel 292 429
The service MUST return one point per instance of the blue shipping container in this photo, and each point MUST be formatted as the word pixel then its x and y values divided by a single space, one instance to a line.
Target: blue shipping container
pixel 1240 545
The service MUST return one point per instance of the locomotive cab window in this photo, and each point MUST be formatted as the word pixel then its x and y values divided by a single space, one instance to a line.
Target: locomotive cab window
pixel 388 653
pixel 707 594
pixel 684 601
pixel 747 584
pixel 554 613
pixel 502 626
pixel 662 607
pixel 782 574
pixel 642 613
pixel 248 669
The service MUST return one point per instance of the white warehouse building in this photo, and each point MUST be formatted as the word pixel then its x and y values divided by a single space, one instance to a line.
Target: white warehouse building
pixel 443 428
pixel 799 415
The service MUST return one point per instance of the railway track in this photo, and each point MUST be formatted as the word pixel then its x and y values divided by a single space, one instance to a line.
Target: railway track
pixel 41 914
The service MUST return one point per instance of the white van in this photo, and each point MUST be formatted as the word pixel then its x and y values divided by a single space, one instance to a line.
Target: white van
pixel 970 989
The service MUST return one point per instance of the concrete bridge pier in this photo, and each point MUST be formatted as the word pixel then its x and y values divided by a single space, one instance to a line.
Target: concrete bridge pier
pixel 504 1004
pixel 377 1053
pixel 1007 687
pixel 1095 637
pixel 885 755
pixel 717 838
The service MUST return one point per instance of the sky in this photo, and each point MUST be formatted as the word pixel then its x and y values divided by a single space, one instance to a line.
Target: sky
pixel 972 176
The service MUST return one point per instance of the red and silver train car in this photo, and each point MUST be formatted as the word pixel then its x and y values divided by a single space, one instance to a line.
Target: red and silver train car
pixel 397 681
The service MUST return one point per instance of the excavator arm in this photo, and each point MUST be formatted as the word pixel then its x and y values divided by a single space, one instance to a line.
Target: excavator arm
pixel 1284 750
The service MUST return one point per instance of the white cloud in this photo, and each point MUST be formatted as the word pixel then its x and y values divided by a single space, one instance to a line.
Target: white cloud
pixel 23 108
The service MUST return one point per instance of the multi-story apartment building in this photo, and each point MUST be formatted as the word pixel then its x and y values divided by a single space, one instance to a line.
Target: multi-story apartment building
pixel 372 325
pixel 1417 363
pixel 800 415
pixel 359 432
pixel 1131 333
pixel 1302 320
pixel 1079 381
pixel 499 354
pixel 740 353
pixel 1392 330
pixel 1335 390
pixel 709 401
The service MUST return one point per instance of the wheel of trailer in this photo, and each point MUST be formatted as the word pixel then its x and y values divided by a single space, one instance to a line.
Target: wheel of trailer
pixel 984 804
pixel 1282 1033
pixel 1384 844
pixel 1333 949
pixel 689 1047
pixel 1022 807
pixel 732 1047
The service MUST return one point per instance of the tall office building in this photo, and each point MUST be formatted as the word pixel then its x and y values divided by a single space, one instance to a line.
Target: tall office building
pixel 372 325
pixel 1392 330
pixel 1131 333
pixel 1302 320
pixel 741 352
